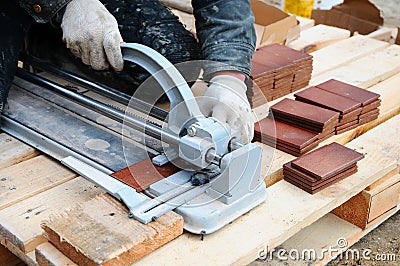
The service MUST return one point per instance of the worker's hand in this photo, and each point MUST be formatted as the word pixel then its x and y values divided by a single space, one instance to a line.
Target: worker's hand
pixel 92 34
pixel 226 100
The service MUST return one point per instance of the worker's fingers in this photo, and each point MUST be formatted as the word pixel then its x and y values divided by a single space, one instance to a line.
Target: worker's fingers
pixel 205 106
pixel 85 52
pixel 220 112
pixel 112 49
pixel 98 59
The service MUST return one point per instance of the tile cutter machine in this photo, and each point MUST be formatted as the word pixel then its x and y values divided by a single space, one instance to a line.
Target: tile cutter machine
pixel 204 148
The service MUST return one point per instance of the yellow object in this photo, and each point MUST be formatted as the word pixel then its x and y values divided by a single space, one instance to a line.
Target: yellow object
pixel 301 8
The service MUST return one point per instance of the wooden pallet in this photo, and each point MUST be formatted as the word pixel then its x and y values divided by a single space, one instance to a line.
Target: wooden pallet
pixel 287 211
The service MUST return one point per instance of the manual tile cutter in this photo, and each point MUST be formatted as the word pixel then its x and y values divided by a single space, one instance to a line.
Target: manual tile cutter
pixel 209 148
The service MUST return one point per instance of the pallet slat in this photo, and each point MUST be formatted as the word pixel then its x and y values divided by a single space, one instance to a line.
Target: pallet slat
pixel 20 223
pixel 287 210
pixel 31 177
pixel 107 235
pixel 14 151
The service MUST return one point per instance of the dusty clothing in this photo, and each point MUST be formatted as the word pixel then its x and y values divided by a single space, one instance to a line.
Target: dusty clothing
pixel 224 28
pixel 42 10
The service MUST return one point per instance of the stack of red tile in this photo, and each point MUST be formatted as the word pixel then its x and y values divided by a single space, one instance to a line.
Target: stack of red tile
pixel 278 70
pixel 307 116
pixel 285 137
pixel 369 101
pixel 321 168
pixel 355 105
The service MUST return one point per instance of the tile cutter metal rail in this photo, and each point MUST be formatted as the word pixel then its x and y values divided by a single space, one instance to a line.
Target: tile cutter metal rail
pixel 204 148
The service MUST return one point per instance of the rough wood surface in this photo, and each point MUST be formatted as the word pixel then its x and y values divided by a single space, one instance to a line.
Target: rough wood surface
pixel 108 236
pixel 31 177
pixel 14 151
pixel 287 210
pixel 386 199
pixel 320 235
pixel 48 255
pixel 343 52
pixel 317 37
pixel 367 71
pixel 20 223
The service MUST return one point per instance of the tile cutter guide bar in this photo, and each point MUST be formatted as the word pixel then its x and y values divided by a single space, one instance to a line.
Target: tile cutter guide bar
pixel 204 147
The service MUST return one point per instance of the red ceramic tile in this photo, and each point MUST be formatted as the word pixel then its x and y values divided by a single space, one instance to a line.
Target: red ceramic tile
pixel 326 99
pixel 327 161
pixel 309 180
pixel 311 190
pixel 346 90
pixel 141 175
pixel 305 112
pixel 284 133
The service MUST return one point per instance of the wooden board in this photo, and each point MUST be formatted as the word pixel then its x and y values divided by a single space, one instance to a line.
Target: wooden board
pixel 48 255
pixel 368 205
pixel 366 71
pixel 14 151
pixel 286 211
pixel 31 177
pixel 320 235
pixel 343 52
pixel 108 236
pixel 317 37
pixel 20 223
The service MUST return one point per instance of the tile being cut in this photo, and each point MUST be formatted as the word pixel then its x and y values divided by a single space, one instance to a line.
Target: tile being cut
pixel 327 161
pixel 326 99
pixel 141 175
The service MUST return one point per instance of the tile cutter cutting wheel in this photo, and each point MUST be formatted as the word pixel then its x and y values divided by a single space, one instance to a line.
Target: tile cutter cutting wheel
pixel 221 177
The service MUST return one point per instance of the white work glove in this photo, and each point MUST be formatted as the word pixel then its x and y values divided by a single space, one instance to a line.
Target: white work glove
pixel 92 34
pixel 226 100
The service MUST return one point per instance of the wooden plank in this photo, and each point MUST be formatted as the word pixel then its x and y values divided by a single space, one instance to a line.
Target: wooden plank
pixel 287 209
pixel 107 236
pixel 305 23
pixel 383 198
pixel 343 52
pixel 320 235
pixel 48 255
pixel 366 71
pixel 390 107
pixel 386 199
pixel 383 34
pixel 315 237
pixel 7 258
pixel 20 223
pixel 318 37
pixel 14 151
pixel 31 177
